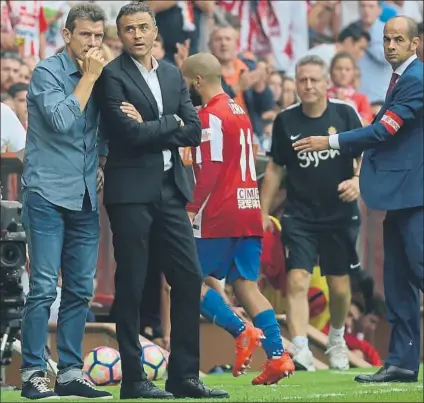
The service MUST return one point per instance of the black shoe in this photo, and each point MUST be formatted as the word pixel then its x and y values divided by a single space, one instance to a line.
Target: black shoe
pixel 78 388
pixel 195 389
pixel 389 374
pixel 37 387
pixel 143 390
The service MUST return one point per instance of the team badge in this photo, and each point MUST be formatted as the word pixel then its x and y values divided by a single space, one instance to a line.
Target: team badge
pixel 332 130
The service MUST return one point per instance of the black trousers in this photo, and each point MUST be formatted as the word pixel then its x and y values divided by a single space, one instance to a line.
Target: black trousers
pixel 161 228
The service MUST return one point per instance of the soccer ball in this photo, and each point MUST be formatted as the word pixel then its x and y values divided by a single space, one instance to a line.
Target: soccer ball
pixel 102 366
pixel 153 360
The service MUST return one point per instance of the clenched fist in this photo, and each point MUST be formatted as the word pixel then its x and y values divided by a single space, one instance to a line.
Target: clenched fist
pixel 93 63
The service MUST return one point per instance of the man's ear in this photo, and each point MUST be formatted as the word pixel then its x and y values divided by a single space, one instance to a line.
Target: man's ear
pixel 415 43
pixel 66 34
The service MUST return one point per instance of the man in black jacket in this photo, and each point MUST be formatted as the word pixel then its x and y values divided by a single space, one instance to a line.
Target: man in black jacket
pixel 145 193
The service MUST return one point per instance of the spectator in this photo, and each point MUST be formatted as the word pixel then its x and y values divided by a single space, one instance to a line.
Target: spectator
pixel 409 8
pixel 247 82
pixel 30 25
pixel 10 66
pixel 30 61
pixel 353 39
pixel 13 134
pixel 8 36
pixel 24 74
pixel 275 83
pixel 202 14
pixel 342 72
pixel 375 70
pixel 54 13
pixel 324 20
pixel 289 96
pixel 354 339
pixel 8 100
pixel 175 22
pixel 158 48
pixel 112 40
pixel 19 93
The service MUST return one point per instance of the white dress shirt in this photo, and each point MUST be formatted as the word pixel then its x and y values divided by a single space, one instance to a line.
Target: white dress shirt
pixel 152 81
pixel 333 140
pixel 13 134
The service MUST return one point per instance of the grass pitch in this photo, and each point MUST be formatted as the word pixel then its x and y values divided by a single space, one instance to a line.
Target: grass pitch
pixel 319 386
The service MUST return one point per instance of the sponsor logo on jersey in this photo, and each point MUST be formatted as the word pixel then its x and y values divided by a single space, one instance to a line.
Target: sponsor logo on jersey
pixel 313 158
pixel 248 198
pixel 236 109
pixel 293 138
pixel 332 130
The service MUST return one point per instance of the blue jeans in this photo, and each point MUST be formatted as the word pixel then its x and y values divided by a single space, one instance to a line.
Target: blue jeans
pixel 57 239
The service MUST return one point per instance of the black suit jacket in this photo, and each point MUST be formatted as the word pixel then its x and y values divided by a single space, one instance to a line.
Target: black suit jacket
pixel 134 168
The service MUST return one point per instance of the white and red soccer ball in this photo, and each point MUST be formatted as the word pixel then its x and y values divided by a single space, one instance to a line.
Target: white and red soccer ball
pixel 102 366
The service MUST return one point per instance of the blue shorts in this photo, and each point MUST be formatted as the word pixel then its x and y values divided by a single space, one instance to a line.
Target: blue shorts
pixel 230 258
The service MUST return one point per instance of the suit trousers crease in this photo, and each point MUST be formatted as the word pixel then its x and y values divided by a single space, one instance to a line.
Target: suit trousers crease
pixel 161 229
pixel 403 280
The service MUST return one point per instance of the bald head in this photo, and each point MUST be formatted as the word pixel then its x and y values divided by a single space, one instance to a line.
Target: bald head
pixel 203 65
pixel 408 26
pixel 400 40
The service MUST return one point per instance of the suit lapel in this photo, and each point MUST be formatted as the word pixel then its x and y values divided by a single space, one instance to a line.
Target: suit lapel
pixel 131 69
pixel 163 81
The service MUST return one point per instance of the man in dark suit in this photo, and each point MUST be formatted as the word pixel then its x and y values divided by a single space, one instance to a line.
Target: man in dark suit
pixel 146 191
pixel 392 179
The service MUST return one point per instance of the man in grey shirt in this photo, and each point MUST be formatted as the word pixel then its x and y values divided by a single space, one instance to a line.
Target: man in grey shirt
pixel 60 208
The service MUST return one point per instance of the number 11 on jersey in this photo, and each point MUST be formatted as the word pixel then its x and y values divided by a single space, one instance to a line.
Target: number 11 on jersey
pixel 246 137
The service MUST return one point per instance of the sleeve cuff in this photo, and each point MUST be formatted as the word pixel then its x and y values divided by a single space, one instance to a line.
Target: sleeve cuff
pixel 333 142
pixel 74 106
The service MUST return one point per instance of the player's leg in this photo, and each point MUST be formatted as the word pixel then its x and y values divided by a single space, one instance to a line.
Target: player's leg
pixel 335 260
pixel 214 308
pixel 215 257
pixel 244 275
pixel 301 246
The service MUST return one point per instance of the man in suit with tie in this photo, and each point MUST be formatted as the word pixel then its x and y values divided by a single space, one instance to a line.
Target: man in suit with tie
pixel 392 179
pixel 146 191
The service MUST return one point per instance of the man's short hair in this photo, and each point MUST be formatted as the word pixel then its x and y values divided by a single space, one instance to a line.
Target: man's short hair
pixel 413 30
pixel 84 11
pixel 219 27
pixel 313 60
pixel 133 8
pixel 420 28
pixel 354 31
pixel 11 56
pixel 16 88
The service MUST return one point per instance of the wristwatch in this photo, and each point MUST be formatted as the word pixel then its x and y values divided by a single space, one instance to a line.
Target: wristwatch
pixel 179 120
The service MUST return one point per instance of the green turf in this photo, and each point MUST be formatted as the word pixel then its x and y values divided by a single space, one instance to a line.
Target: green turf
pixel 320 386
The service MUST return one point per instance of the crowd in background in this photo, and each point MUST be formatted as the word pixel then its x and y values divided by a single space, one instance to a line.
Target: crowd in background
pixel 257 43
